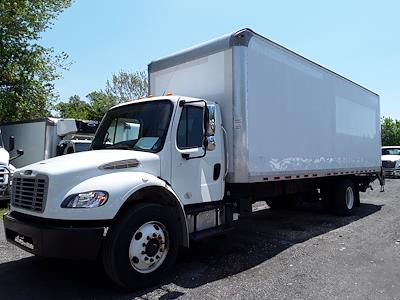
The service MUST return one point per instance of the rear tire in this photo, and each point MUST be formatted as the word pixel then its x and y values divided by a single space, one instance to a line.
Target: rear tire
pixel 345 199
pixel 141 248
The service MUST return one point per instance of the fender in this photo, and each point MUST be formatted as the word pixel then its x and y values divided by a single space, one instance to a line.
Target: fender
pixel 153 181
pixel 121 186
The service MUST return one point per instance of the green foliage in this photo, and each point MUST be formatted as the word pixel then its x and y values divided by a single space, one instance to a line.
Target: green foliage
pixel 127 86
pixel 27 69
pixel 123 87
pixel 3 210
pixel 100 102
pixel 390 131
pixel 93 109
pixel 75 108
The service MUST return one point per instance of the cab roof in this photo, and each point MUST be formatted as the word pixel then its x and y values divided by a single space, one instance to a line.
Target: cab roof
pixel 173 98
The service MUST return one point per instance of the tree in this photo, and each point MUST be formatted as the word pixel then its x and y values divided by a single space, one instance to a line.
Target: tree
pixel 75 108
pixel 127 86
pixel 97 105
pixel 100 102
pixel 27 70
pixel 390 132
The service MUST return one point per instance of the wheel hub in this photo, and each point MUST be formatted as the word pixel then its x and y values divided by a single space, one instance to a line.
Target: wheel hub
pixel 152 247
pixel 149 247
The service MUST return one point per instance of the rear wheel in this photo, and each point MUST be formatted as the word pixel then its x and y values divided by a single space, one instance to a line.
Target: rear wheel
pixel 345 199
pixel 142 247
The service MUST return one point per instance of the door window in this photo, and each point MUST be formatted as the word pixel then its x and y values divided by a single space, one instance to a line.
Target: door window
pixel 190 128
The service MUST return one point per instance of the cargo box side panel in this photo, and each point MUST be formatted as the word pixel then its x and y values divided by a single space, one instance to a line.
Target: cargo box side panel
pixel 208 77
pixel 303 118
pixel 30 137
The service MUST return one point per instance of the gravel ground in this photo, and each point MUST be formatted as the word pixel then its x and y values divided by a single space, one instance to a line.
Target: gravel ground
pixel 302 254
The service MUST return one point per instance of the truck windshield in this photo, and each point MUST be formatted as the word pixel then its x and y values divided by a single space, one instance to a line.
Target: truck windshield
pixel 138 126
pixel 391 151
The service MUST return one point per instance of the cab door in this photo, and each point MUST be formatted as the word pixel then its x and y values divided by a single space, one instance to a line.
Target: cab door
pixel 197 171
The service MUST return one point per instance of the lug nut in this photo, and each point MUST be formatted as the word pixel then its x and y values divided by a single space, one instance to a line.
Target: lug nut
pixel 135 260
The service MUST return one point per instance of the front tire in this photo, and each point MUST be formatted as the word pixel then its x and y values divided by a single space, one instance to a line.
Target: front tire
pixel 141 248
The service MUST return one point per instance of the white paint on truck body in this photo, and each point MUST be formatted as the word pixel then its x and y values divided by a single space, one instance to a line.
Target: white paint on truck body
pixel 285 116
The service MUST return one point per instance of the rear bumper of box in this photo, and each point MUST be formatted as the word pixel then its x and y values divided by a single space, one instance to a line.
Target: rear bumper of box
pixel 56 241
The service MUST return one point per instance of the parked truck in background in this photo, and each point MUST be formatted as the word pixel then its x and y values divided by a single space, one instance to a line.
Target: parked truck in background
pixel 254 122
pixel 48 137
pixel 6 168
pixel 391 161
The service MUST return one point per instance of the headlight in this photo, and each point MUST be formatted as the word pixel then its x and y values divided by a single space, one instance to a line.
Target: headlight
pixel 397 166
pixel 85 200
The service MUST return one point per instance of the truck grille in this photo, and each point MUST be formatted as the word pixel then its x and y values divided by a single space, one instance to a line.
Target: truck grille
pixel 388 164
pixel 2 175
pixel 29 192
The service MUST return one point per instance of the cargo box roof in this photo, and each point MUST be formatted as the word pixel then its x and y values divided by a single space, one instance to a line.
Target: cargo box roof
pixel 238 38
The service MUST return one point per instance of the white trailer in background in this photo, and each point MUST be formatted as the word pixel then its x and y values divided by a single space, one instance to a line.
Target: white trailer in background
pixel 45 138
pixel 254 122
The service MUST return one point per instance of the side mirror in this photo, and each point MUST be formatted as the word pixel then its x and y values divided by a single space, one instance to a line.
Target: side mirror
pixel 11 143
pixel 210 143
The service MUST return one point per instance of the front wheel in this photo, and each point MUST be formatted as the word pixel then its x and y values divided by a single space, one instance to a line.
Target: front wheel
pixel 142 247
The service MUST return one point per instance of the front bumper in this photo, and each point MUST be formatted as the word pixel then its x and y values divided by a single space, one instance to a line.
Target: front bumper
pixel 389 172
pixel 53 239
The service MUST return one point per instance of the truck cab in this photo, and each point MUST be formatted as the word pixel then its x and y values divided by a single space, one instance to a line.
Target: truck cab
pixel 140 161
pixel 391 161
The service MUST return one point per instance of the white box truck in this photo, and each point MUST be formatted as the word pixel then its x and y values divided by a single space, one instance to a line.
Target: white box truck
pixel 255 122
pixel 48 137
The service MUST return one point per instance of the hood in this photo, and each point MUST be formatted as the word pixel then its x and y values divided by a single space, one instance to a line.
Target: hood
pixel 4 156
pixel 390 157
pixel 90 161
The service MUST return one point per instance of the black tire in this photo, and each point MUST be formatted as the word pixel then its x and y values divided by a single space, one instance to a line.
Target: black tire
pixel 115 254
pixel 340 205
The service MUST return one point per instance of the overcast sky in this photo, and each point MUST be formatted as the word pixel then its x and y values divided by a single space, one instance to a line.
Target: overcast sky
pixel 357 39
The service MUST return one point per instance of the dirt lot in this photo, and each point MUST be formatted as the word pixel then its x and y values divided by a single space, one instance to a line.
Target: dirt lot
pixel 302 254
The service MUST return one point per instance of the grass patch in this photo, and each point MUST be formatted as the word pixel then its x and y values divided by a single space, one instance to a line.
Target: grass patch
pixel 3 210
